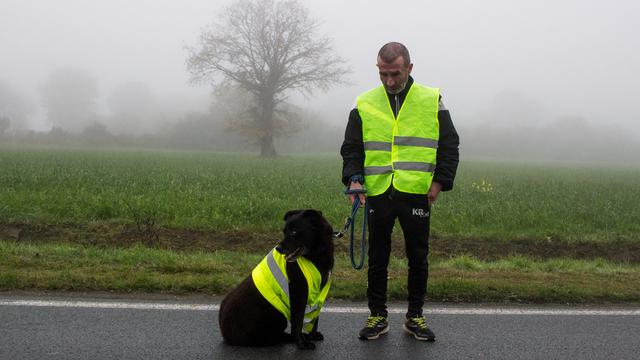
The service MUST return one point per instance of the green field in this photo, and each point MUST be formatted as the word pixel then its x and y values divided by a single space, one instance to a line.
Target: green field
pixel 494 200
pixel 144 221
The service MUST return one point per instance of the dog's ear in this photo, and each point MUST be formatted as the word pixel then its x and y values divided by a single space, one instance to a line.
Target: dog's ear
pixel 318 220
pixel 312 213
pixel 290 213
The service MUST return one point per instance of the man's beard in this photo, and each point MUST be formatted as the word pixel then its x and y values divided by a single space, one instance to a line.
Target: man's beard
pixel 397 90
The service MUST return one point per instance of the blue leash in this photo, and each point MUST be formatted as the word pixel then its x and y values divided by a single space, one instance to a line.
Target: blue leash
pixel 350 223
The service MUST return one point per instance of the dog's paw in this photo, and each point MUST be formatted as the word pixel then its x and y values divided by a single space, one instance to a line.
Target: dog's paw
pixel 315 336
pixel 288 338
pixel 305 345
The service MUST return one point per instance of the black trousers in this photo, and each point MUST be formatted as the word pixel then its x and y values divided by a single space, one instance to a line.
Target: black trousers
pixel 413 214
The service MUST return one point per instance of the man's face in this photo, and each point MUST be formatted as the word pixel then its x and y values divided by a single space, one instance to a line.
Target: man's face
pixel 394 75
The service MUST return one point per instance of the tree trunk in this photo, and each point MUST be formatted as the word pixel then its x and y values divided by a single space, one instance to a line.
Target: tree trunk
pixel 267 148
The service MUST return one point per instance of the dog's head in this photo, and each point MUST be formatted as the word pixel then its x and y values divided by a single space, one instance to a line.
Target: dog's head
pixel 305 231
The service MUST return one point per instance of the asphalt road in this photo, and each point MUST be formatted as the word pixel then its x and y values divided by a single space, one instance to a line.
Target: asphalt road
pixel 85 328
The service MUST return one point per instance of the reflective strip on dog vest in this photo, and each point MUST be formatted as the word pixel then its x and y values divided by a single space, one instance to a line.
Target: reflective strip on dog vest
pixel 278 276
pixel 271 279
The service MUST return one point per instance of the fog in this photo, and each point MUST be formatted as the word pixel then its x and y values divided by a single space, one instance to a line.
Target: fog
pixel 512 73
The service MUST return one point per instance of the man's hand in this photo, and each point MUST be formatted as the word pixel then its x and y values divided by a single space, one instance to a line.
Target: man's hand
pixel 434 190
pixel 352 197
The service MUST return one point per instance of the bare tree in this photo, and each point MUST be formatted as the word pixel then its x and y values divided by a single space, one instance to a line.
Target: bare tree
pixel 268 48
pixel 5 124
pixel 15 109
pixel 69 96
pixel 134 109
pixel 239 111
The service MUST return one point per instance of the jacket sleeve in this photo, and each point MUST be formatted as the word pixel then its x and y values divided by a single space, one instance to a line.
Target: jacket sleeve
pixel 352 149
pixel 447 155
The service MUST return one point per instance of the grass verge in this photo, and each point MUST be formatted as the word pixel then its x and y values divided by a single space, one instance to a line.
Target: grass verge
pixel 55 266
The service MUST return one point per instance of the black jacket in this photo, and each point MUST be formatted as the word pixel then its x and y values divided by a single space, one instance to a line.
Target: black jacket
pixel 447 154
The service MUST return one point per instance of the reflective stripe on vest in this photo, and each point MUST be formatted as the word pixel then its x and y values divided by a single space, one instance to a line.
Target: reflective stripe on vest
pixel 272 281
pixel 401 150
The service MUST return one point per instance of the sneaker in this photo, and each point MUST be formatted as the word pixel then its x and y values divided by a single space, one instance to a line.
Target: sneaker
pixel 417 326
pixel 376 326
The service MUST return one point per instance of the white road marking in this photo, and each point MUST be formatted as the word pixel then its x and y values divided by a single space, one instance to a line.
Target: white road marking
pixel 444 310
pixel 109 305
pixel 439 310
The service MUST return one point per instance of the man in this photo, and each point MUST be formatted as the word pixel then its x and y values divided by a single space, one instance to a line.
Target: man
pixel 401 144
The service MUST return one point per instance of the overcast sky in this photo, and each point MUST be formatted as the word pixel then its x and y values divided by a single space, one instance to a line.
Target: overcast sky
pixel 561 57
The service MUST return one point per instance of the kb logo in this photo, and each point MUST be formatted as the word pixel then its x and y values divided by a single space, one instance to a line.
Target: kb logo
pixel 420 213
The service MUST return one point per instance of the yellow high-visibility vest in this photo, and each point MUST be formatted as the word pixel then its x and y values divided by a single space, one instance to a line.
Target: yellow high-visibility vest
pixel 272 281
pixel 399 150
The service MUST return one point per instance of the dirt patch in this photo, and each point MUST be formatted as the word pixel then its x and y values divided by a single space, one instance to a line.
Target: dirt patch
pixel 618 251
pixel 110 235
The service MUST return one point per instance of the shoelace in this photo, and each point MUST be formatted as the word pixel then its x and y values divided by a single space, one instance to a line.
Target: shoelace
pixel 420 321
pixel 372 321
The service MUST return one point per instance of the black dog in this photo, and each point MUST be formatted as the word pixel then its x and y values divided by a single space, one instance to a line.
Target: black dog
pixel 248 319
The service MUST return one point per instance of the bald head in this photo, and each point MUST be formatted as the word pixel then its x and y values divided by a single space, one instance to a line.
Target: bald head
pixel 393 50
